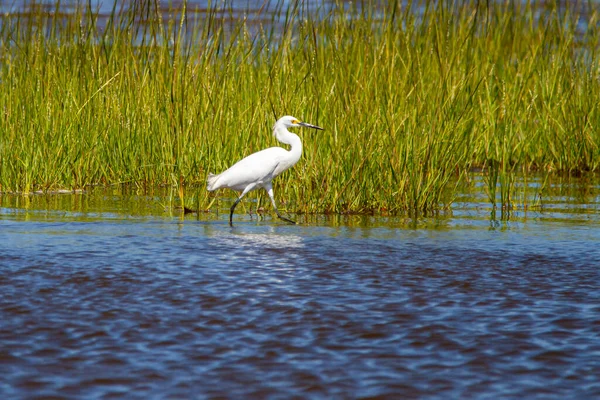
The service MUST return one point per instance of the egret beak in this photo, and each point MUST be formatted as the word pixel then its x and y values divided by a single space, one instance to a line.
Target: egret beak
pixel 310 126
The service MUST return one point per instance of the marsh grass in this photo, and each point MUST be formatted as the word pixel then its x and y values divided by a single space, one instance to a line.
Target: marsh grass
pixel 412 99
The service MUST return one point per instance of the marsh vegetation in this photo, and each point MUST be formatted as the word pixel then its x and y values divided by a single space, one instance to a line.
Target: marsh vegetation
pixel 413 99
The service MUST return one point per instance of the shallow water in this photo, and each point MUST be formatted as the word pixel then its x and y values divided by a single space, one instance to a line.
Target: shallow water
pixel 106 295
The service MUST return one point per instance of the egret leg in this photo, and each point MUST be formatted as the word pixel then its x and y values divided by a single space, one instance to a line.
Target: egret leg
pixel 270 191
pixel 235 203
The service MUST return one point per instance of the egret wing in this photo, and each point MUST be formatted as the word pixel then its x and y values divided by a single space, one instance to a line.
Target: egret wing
pixel 255 169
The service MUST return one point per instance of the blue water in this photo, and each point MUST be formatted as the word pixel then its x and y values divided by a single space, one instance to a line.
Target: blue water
pixel 100 300
pixel 101 305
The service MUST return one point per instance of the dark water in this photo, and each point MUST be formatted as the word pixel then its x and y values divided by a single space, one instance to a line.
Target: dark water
pixel 103 296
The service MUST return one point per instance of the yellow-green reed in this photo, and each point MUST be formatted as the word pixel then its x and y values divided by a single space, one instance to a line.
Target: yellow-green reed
pixel 411 98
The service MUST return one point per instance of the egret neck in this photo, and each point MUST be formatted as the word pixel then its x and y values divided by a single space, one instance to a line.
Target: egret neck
pixel 284 136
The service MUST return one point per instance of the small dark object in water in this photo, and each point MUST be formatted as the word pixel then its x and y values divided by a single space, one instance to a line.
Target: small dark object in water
pixel 185 210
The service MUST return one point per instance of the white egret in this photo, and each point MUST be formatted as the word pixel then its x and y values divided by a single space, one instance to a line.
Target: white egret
pixel 258 169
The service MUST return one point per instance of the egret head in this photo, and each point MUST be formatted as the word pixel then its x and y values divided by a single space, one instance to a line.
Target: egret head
pixel 291 122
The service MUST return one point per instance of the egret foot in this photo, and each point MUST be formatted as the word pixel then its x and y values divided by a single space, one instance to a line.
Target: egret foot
pixel 286 219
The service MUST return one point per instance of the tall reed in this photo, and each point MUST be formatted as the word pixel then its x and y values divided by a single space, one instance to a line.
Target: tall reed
pixel 412 98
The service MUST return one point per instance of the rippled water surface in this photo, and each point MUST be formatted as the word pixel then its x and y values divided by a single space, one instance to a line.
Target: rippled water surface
pixel 101 299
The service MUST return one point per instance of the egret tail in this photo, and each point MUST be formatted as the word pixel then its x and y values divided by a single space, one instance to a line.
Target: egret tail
pixel 211 181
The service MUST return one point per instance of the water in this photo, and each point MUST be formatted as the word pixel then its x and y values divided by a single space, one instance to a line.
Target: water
pixel 106 295
pixel 253 11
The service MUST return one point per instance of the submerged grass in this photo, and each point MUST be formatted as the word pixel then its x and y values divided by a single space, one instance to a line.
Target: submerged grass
pixel 411 98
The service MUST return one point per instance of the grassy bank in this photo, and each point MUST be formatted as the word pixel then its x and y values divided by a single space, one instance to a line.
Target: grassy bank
pixel 411 99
